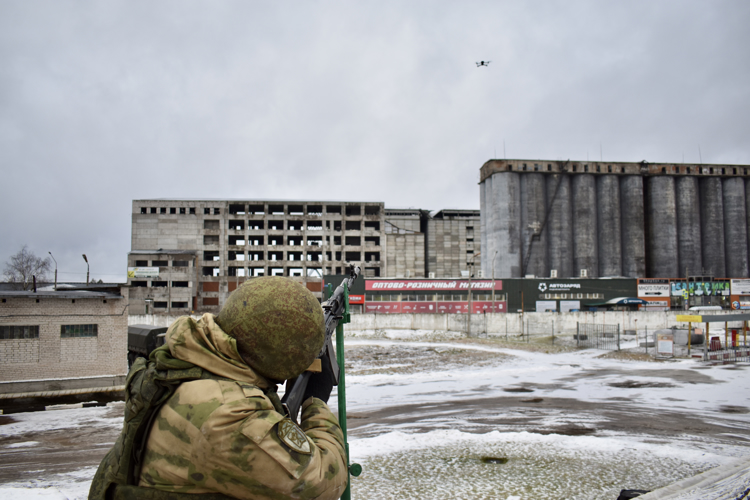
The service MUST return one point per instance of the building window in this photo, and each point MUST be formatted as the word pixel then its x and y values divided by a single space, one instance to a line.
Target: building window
pixel 217 211
pixel 172 210
pixel 206 211
pixel 158 284
pixel 179 305
pixel 179 284
pixel 153 210
pixel 163 210
pixel 180 263
pixel 73 331
pixel 19 332
pixel 160 305
pixel 192 210
pixel 141 263
pixel 142 284
pixel 182 210
pixel 144 210
pixel 159 263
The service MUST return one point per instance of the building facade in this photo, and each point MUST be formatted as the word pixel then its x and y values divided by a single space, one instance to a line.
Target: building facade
pixel 600 219
pixel 406 249
pixel 190 254
pixel 453 241
pixel 68 333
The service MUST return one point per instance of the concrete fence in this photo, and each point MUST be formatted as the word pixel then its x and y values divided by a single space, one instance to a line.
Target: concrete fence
pixel 536 323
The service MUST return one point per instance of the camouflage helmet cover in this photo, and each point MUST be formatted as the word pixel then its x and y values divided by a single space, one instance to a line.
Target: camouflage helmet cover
pixel 278 325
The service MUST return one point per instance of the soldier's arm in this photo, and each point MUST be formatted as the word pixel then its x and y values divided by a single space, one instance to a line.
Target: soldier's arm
pixel 322 428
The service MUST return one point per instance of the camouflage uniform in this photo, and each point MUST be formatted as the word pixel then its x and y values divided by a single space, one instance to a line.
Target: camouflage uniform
pixel 226 435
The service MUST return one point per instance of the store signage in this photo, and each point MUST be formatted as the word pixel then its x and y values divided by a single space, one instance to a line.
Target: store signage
pixel 740 287
pixel 356 299
pixel 740 304
pixel 426 285
pixel 655 304
pixel 558 287
pixel 570 305
pixel 700 288
pixel 143 272
pixel 477 307
pixel 546 305
pixel 646 290
pixel 383 307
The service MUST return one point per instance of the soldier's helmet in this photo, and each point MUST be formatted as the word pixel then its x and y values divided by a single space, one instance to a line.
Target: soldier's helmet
pixel 278 325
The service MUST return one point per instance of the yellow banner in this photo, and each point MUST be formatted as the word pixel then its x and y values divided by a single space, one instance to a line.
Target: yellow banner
pixel 689 318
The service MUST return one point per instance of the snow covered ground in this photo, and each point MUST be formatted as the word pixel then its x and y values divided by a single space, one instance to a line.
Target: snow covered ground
pixel 435 416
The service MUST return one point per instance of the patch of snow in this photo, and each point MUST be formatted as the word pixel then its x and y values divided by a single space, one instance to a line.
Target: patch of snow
pixel 23 444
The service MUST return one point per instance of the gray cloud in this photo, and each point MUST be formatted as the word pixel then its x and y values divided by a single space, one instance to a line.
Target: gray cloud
pixel 102 103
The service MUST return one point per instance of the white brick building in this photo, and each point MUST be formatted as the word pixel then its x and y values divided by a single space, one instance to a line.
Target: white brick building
pixel 69 333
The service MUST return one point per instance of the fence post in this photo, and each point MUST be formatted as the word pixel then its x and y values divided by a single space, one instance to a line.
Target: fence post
pixel 578 334
pixel 553 332
pixel 646 339
pixel 618 337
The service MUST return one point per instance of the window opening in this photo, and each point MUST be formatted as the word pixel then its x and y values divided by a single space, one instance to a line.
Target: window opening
pixel 75 331
pixel 24 332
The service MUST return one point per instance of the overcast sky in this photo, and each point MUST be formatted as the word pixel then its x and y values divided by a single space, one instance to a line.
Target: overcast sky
pixel 105 102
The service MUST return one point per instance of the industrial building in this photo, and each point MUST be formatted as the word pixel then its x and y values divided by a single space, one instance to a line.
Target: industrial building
pixel 603 219
pixel 188 255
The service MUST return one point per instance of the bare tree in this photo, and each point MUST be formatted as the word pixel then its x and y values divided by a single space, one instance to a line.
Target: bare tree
pixel 23 266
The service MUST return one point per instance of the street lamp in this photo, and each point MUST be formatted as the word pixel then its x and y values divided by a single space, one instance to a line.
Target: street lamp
pixel 53 258
pixel 471 272
pixel 87 268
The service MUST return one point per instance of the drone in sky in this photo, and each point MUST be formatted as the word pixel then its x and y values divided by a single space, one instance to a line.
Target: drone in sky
pixel 483 63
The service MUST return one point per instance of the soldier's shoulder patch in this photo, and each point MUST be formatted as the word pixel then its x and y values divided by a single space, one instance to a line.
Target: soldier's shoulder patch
pixel 292 436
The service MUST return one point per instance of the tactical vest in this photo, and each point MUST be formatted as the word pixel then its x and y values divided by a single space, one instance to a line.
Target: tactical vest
pixel 146 390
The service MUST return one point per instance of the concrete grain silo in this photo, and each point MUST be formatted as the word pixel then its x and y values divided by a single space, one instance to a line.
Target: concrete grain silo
pixel 600 219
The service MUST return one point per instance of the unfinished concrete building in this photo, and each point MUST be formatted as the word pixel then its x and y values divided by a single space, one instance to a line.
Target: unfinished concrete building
pixel 190 254
pixel 405 242
pixel 601 219
pixel 453 239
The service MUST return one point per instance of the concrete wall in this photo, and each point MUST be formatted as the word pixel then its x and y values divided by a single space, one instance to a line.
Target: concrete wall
pixel 538 323
pixel 51 356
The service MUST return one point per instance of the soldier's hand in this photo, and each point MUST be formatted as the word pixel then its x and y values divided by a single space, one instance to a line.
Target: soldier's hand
pixel 320 384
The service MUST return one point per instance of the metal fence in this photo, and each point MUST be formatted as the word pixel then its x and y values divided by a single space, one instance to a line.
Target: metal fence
pixel 726 354
pixel 598 336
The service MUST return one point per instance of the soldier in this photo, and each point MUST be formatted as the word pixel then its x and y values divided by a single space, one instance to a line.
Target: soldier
pixel 203 419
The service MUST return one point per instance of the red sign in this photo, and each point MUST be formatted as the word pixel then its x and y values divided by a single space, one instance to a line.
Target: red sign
pixel 480 306
pixel 383 307
pixel 418 307
pixel 429 285
pixel 356 299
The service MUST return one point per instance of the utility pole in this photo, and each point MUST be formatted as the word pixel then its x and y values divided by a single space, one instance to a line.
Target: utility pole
pixel 53 258
pixel 471 272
